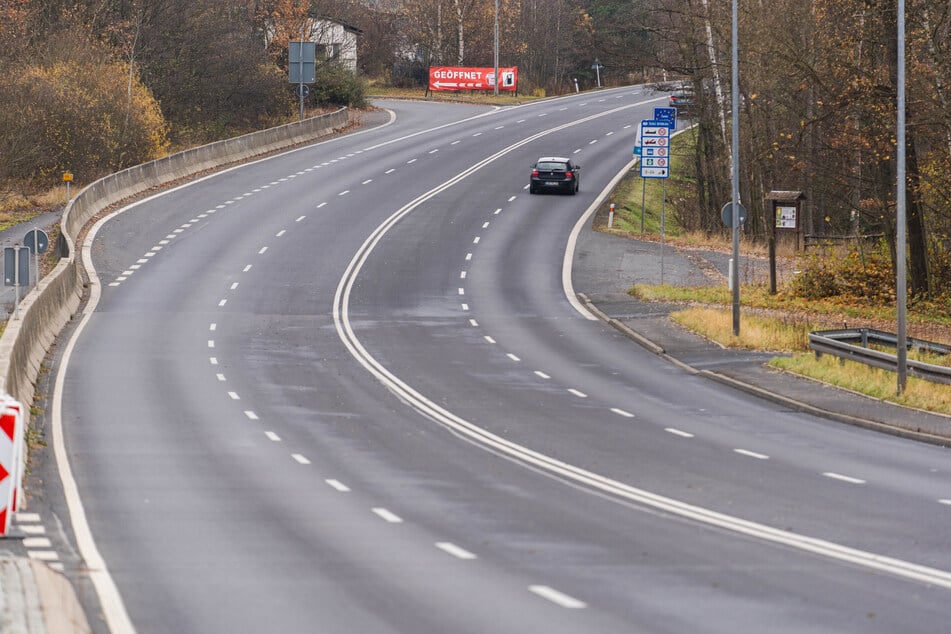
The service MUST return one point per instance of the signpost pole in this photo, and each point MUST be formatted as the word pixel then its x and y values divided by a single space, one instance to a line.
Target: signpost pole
pixel 300 88
pixel 901 343
pixel 643 201
pixel 663 210
pixel 16 282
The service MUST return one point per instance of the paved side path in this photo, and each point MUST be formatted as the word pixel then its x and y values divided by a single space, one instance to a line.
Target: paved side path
pixel 606 266
pixel 14 236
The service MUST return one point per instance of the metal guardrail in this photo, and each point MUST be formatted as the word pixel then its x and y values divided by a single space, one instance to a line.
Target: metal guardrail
pixel 853 344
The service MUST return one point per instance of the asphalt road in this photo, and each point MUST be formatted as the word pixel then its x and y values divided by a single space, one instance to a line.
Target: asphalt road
pixel 342 390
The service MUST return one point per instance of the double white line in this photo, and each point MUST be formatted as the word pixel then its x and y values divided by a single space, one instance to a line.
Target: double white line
pixel 618 491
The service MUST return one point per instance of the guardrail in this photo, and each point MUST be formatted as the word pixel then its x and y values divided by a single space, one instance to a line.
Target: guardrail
pixel 853 344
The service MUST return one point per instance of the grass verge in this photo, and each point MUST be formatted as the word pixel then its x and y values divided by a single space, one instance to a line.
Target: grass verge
pixel 790 335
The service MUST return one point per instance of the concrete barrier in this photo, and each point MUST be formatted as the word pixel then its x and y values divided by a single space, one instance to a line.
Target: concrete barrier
pixel 45 310
pixel 33 598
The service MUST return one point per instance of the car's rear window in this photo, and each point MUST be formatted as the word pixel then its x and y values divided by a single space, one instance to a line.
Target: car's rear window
pixel 552 167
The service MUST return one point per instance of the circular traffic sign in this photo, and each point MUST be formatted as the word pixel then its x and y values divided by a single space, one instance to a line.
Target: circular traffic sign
pixel 36 241
pixel 726 214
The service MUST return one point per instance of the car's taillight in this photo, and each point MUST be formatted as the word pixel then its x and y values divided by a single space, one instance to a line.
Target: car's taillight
pixel 534 173
pixel 569 175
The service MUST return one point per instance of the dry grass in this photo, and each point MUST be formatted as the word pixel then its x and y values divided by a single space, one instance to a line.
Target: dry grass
pixel 873 382
pixel 791 335
pixel 17 207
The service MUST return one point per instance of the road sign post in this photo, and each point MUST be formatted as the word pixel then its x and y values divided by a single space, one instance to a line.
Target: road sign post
pixel 655 163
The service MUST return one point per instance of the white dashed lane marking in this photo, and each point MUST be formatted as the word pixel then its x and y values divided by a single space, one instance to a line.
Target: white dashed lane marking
pixel 751 454
pixel 387 516
pixel 843 478
pixel 677 432
pixel 338 485
pixel 621 412
pixel 513 357
pixel 541 374
pixel 272 436
pixel 251 415
pixel 558 598
pixel 455 551
pixel 299 458
pixel 577 393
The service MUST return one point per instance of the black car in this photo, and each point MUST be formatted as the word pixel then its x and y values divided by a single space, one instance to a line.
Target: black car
pixel 554 173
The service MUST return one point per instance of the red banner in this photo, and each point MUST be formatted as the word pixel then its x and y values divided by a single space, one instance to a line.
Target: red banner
pixel 458 78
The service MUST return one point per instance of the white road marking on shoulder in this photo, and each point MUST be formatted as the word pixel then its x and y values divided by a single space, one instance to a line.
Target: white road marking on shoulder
pixel 387 516
pixel 558 598
pixel 455 551
pixel 677 432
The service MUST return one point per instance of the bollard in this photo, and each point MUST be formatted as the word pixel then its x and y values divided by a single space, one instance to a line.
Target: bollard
pixel 611 216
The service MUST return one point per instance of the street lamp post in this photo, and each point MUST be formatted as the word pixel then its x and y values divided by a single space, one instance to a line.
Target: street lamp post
pixel 735 79
pixel 496 48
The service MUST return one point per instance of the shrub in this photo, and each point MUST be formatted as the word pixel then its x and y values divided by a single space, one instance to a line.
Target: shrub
pixel 337 86
pixel 866 277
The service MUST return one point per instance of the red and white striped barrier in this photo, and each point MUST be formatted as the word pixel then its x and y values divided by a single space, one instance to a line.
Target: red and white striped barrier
pixel 12 459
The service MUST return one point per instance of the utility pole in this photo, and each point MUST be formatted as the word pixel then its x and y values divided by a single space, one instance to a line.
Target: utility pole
pixel 734 274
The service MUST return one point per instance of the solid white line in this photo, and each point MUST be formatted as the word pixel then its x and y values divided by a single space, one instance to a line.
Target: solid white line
pixel 388 516
pixel 843 478
pixel 594 482
pixel 677 432
pixel 455 551
pixel 300 459
pixel 621 412
pixel 558 598
pixel 338 485
pixel 752 454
